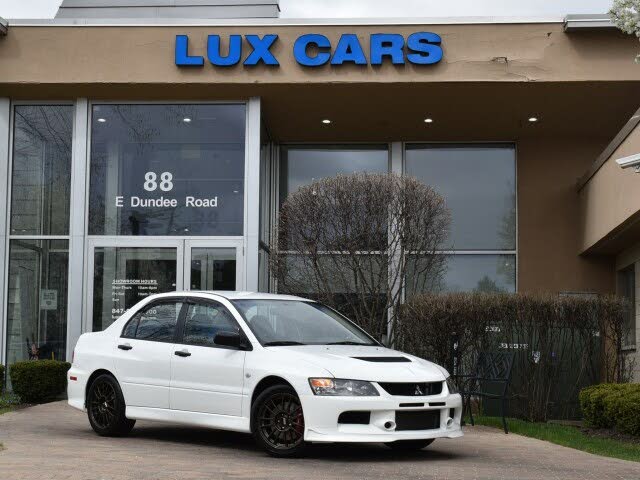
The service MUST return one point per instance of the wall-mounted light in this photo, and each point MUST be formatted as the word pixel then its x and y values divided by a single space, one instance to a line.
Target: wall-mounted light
pixel 533 119
pixel 102 120
pixel 632 161
pixel 326 121
pixel 428 120
pixel 186 120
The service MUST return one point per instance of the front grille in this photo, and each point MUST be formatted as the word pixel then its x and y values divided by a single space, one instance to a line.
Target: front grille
pixel 354 418
pixel 421 420
pixel 412 389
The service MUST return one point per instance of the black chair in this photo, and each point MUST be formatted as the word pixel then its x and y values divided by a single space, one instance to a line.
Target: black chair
pixel 491 369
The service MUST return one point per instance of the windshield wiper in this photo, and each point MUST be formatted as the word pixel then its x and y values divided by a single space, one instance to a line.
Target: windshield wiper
pixel 351 343
pixel 283 343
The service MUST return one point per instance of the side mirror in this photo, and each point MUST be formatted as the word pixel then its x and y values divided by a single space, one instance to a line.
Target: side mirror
pixel 231 339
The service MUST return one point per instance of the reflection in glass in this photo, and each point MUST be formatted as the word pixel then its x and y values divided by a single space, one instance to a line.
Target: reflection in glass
pixel 167 170
pixel 303 165
pixel 469 273
pixel 124 276
pixel 204 321
pixel 41 172
pixel 37 300
pixel 158 323
pixel 479 185
pixel 213 269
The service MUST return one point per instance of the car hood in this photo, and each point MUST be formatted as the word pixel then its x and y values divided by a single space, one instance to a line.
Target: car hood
pixel 365 363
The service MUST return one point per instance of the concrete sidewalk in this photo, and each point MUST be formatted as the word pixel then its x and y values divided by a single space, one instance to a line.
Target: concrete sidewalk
pixel 54 441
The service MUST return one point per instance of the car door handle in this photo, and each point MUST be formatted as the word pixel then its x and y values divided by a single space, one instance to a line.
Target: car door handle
pixel 125 347
pixel 182 353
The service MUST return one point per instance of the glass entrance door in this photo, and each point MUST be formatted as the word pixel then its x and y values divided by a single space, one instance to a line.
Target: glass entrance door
pixel 121 272
pixel 213 265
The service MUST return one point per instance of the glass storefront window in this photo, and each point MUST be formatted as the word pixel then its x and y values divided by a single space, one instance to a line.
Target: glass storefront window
pixel 174 170
pixel 485 273
pixel 41 170
pixel 123 276
pixel 302 165
pixel 478 183
pixel 37 300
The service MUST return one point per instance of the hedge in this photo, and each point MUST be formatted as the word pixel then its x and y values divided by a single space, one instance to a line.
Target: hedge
pixel 562 343
pixel 38 381
pixel 612 406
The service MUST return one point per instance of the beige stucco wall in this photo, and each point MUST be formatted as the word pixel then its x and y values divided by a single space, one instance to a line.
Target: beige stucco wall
pixel 492 77
pixel 549 234
pixel 610 200
pixel 31 55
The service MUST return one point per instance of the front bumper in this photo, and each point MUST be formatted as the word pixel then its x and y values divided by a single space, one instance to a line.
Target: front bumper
pixel 321 418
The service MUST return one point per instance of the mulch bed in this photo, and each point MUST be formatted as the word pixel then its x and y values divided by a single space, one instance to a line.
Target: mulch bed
pixel 610 434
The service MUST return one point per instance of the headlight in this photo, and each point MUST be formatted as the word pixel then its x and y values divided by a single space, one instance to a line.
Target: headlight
pixel 337 387
pixel 451 385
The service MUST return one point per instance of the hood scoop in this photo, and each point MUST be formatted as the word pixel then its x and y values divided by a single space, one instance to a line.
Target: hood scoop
pixel 384 359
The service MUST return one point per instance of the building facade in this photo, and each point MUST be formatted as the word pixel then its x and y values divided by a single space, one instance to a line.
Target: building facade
pixel 151 154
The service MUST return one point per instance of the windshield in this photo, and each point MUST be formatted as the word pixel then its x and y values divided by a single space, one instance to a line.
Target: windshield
pixel 284 322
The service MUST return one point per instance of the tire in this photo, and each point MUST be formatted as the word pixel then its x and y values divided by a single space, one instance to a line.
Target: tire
pixel 409 445
pixel 106 408
pixel 277 422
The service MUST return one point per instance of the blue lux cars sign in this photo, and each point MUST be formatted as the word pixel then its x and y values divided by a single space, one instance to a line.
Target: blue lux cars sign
pixel 315 50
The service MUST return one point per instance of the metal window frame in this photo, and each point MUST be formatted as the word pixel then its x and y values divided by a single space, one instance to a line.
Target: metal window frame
pixel 5 241
pixel 244 244
pixel 5 135
pixel 514 252
pixel 397 164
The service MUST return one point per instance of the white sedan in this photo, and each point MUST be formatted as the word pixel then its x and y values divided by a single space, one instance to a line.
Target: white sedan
pixel 288 370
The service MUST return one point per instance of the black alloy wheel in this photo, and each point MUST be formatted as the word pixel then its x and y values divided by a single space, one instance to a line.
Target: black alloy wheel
pixel 409 445
pixel 277 421
pixel 106 408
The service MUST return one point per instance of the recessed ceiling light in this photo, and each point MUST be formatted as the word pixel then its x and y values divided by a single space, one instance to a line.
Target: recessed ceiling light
pixel 102 120
pixel 326 121
pixel 533 119
pixel 186 120
pixel 428 120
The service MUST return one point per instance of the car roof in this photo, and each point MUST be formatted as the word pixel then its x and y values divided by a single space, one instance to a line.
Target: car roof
pixel 240 295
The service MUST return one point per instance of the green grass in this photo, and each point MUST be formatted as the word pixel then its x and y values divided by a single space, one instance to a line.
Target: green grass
pixel 567 436
pixel 8 401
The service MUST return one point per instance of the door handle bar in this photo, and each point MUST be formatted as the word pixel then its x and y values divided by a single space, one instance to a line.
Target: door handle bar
pixel 125 347
pixel 182 353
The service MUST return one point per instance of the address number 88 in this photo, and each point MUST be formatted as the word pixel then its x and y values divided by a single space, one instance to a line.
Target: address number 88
pixel 151 181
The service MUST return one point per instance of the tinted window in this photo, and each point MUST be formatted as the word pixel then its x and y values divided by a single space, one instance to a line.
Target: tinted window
pixel 301 166
pixel 158 322
pixel 205 321
pixel 478 183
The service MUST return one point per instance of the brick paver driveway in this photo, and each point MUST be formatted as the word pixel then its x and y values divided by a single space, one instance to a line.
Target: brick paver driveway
pixel 55 442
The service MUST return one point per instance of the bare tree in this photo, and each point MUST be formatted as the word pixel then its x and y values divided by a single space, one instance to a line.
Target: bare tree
pixel 356 242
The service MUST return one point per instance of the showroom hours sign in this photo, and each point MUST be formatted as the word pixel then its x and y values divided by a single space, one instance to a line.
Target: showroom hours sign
pixel 164 183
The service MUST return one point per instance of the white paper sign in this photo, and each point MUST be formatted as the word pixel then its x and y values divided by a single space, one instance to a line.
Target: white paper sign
pixel 48 299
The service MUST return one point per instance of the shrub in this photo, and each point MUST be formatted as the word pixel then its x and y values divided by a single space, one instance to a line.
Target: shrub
pixel 562 343
pixel 612 406
pixel 38 381
pixel 1 377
